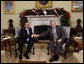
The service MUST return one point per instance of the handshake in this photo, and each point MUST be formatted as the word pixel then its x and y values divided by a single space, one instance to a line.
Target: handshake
pixel 35 35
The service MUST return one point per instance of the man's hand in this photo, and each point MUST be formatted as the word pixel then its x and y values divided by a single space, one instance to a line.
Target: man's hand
pixel 35 35
pixel 59 40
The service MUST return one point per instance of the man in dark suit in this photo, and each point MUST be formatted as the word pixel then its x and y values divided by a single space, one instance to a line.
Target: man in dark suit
pixel 57 37
pixel 25 36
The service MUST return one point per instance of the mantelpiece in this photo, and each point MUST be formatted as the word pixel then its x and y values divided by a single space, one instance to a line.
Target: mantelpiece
pixel 57 12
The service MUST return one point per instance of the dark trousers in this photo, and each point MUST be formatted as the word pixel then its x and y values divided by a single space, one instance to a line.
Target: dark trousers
pixel 55 47
pixel 29 47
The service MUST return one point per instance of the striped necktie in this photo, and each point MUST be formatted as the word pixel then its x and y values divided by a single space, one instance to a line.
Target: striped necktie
pixel 54 34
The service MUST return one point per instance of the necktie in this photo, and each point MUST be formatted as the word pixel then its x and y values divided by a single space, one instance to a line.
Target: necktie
pixel 27 33
pixel 54 34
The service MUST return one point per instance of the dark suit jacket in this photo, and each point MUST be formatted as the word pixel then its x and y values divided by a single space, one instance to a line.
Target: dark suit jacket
pixel 59 30
pixel 23 35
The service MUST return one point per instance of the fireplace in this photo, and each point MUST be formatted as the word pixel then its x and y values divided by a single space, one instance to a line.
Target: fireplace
pixel 40 29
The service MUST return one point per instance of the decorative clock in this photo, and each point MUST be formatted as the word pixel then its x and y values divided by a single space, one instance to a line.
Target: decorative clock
pixel 43 4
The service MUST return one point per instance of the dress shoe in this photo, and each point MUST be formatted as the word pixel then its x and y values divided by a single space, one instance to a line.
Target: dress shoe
pixel 51 60
pixel 20 57
pixel 56 57
pixel 26 56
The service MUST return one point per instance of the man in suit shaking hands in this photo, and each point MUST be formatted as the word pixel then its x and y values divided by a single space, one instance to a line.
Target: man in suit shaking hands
pixel 57 37
pixel 25 36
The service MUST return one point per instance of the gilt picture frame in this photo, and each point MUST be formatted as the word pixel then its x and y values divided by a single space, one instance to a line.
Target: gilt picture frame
pixel 77 6
pixel 43 4
pixel 9 7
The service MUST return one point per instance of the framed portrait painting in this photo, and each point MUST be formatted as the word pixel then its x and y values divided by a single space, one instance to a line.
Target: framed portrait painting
pixel 43 4
pixel 77 6
pixel 9 7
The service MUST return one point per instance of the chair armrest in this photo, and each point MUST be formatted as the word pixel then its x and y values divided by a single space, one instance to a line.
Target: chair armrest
pixel 66 44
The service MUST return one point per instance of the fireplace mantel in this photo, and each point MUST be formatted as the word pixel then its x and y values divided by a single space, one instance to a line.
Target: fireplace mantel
pixel 42 16
pixel 41 13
